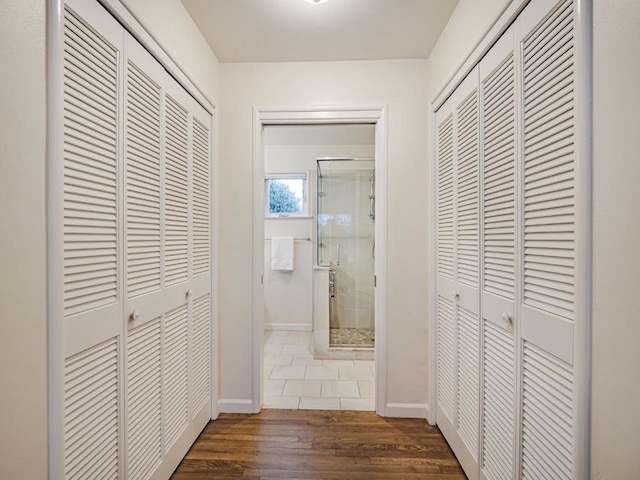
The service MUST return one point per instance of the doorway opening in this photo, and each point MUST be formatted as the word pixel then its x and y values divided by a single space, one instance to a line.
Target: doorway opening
pixel 315 207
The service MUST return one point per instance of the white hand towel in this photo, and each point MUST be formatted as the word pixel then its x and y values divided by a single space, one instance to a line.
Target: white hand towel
pixel 282 253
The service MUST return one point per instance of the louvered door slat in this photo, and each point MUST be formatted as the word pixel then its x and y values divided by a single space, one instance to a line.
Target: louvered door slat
pixel 498 402
pixel 468 379
pixel 142 157
pixel 90 159
pixel 176 370
pixel 547 415
pixel 445 207
pixel 176 192
pixel 467 190
pixel 144 399
pixel 201 386
pixel 446 357
pixel 91 413
pixel 499 181
pixel 201 200
pixel 549 157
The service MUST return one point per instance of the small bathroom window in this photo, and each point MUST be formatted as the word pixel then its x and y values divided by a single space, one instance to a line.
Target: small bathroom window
pixel 286 195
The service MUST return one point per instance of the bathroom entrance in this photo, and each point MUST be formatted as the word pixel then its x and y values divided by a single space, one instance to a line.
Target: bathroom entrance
pixel 346 244
pixel 319 259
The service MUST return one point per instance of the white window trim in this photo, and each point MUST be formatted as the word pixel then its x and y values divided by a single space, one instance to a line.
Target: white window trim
pixel 304 176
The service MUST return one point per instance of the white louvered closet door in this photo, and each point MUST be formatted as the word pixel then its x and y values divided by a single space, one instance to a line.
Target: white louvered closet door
pixel 91 256
pixel 200 270
pixel 186 282
pixel 548 230
pixel 143 246
pixel 167 336
pixel 177 127
pixel 532 260
pixel 458 262
pixel 135 258
pixel 498 86
pixel 447 344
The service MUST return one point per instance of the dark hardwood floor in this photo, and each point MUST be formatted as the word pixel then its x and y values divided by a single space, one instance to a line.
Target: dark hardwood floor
pixel 327 445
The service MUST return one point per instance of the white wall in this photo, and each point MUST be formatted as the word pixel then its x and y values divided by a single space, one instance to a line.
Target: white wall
pixel 467 26
pixel 615 412
pixel 175 31
pixel 23 329
pixel 288 295
pixel 401 85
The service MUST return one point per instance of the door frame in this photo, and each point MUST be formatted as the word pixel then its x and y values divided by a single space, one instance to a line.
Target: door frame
pixel 375 115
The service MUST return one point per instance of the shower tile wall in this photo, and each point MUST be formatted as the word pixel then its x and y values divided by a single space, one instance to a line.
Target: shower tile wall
pixel 347 196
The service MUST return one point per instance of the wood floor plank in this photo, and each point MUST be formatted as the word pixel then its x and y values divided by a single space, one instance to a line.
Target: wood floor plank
pixel 319 445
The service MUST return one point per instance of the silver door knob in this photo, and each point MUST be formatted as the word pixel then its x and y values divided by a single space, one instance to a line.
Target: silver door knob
pixel 507 318
pixel 188 293
pixel 456 295
pixel 135 316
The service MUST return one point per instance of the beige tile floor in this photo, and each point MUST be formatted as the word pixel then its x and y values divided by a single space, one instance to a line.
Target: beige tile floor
pixel 294 379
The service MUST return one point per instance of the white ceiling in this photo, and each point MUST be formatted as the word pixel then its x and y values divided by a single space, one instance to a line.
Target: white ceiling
pixel 294 30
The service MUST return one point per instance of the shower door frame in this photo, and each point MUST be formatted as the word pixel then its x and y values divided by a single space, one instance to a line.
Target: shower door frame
pixel 373 115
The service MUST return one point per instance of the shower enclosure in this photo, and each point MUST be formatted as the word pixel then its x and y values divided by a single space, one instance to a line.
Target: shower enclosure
pixel 346 244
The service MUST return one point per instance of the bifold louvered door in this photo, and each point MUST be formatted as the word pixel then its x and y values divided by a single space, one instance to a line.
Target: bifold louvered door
pixel 548 235
pixel 458 267
pixel 530 392
pixel 144 240
pixel 136 260
pixel 447 344
pixel 91 250
pixel 167 311
pixel 499 259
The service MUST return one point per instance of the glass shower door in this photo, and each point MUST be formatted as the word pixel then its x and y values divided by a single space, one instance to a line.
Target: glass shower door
pixel 345 216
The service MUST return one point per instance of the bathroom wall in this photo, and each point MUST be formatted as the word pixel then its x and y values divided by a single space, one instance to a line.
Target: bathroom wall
pixel 294 149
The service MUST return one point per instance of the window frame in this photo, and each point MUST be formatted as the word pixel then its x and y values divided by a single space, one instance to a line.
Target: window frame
pixel 304 176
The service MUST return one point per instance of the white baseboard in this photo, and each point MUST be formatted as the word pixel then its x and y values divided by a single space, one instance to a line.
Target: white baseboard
pixel 303 327
pixel 230 405
pixel 407 410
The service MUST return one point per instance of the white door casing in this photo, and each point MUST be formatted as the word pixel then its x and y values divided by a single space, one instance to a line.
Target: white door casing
pixel 310 116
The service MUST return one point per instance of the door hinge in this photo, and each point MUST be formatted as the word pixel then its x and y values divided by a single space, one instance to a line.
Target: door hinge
pixel 262 279
pixel 375 281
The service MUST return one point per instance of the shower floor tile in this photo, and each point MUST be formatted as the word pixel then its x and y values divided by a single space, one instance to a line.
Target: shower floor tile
pixel 295 380
pixel 359 337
